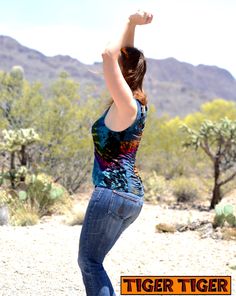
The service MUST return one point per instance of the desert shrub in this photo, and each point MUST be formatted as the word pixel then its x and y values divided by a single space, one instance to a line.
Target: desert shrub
pixel 9 198
pixel 19 213
pixel 229 233
pixel 155 186
pixel 185 189
pixel 75 216
pixel 61 203
pixel 39 195
pixel 43 195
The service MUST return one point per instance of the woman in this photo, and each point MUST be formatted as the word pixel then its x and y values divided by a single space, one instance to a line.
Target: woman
pixel 118 195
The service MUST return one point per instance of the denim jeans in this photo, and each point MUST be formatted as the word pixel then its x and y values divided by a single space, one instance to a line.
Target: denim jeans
pixel 108 214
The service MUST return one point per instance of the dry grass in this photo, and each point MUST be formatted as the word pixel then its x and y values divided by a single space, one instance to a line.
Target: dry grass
pixel 229 233
pixel 24 217
pixel 75 216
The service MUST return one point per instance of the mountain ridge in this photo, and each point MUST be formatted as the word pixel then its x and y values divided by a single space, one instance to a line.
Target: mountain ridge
pixel 174 87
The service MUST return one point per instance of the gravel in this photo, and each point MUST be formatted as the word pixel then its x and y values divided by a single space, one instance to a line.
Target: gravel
pixel 42 259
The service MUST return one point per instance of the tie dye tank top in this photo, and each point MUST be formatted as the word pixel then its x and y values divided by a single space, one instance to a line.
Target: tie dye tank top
pixel 115 153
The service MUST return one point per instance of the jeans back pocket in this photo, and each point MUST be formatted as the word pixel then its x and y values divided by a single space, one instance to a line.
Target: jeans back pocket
pixel 124 205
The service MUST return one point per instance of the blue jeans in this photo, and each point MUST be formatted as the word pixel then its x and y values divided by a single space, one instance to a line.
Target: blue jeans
pixel 108 214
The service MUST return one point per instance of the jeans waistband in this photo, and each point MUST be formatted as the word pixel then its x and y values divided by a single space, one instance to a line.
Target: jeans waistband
pixel 98 188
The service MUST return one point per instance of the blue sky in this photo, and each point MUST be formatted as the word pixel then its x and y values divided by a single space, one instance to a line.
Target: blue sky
pixel 194 31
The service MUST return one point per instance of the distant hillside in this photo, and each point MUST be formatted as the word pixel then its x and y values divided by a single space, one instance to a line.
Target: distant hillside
pixel 176 88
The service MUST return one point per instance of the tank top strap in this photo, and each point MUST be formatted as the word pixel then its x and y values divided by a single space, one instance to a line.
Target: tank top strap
pixel 141 109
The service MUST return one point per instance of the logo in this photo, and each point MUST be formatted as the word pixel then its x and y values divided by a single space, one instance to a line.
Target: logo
pixel 175 285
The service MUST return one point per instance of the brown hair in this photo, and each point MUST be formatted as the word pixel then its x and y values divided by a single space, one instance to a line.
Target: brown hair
pixel 133 67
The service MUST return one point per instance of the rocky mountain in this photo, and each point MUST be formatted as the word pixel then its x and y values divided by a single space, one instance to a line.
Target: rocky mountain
pixel 174 87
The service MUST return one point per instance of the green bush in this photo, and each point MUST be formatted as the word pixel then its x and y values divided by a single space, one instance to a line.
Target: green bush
pixel 185 189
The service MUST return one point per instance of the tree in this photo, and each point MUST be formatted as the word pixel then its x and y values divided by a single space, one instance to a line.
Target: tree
pixel 213 110
pixel 219 108
pixel 61 119
pixel 218 140
pixel 11 86
pixel 146 156
pixel 20 109
pixel 66 148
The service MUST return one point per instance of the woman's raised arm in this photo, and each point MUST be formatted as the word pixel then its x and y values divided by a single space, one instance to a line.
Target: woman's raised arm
pixel 119 89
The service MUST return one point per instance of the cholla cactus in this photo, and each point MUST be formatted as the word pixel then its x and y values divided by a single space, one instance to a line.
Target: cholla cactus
pixel 15 142
pixel 17 72
pixel 217 140
pixel 14 139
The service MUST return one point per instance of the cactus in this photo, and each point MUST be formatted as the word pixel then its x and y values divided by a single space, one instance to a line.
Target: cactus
pixel 14 139
pixel 41 193
pixel 56 193
pixel 21 171
pixel 22 195
pixel 231 219
pixel 217 140
pixel 17 72
pixel 224 213
pixel 228 209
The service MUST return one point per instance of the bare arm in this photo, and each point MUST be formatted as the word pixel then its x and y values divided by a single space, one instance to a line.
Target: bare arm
pixel 126 38
pixel 117 86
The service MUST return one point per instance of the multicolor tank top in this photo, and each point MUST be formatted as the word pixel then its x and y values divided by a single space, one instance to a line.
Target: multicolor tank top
pixel 115 154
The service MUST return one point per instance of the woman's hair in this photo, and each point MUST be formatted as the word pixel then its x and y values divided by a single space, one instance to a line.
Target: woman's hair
pixel 133 67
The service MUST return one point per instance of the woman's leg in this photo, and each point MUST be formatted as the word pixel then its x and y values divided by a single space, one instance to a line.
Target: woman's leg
pixel 107 215
pixel 91 251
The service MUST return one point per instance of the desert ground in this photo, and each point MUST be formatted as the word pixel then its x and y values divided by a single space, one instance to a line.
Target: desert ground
pixel 42 259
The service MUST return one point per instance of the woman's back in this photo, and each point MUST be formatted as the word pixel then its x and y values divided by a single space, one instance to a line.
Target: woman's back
pixel 115 154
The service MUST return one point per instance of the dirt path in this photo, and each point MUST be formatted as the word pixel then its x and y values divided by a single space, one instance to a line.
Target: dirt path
pixel 42 259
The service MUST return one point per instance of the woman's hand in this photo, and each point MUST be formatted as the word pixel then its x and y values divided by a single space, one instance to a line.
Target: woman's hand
pixel 141 18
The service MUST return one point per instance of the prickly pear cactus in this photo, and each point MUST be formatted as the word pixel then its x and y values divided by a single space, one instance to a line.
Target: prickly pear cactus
pixel 224 213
